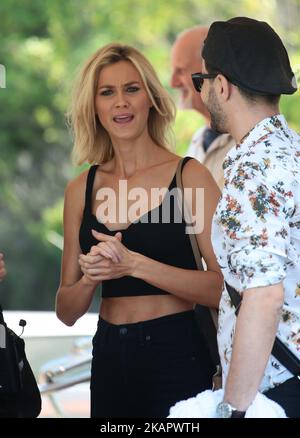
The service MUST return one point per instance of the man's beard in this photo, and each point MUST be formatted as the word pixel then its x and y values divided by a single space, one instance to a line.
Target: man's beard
pixel 218 118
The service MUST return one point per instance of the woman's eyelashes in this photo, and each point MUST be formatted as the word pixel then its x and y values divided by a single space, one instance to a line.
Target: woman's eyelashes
pixel 105 92
pixel 110 91
pixel 132 89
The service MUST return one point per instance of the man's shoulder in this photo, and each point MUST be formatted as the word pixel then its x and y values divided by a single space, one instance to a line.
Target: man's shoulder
pixel 223 142
pixel 195 148
pixel 197 136
pixel 279 148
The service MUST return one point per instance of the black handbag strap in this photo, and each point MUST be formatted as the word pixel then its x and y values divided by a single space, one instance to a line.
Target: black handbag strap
pixel 279 350
pixel 206 317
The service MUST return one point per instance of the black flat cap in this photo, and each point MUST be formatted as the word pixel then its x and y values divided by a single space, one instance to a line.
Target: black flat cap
pixel 251 55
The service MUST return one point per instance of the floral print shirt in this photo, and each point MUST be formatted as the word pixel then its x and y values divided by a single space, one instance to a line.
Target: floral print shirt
pixel 256 232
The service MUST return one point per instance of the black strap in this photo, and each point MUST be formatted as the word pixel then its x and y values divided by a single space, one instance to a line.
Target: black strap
pixel 89 189
pixel 206 323
pixel 183 162
pixel 1 316
pixel 279 350
pixel 206 317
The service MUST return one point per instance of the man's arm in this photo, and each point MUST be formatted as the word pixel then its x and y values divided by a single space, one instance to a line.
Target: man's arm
pixel 254 337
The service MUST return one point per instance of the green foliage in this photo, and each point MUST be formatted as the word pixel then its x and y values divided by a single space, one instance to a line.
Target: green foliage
pixel 187 122
pixel 42 44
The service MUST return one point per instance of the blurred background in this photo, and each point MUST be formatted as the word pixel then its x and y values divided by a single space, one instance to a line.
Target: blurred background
pixel 42 44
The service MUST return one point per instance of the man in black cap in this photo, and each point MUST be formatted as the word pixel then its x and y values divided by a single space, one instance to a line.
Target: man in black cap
pixel 256 227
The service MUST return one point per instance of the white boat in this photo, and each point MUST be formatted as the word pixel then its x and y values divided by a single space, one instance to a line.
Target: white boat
pixel 60 357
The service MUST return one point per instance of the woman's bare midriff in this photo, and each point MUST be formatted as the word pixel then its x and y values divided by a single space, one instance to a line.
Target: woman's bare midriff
pixel 128 310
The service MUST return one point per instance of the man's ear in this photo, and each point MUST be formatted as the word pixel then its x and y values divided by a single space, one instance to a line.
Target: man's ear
pixel 223 87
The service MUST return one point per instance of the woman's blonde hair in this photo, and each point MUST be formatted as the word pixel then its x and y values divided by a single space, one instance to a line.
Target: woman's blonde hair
pixel 92 142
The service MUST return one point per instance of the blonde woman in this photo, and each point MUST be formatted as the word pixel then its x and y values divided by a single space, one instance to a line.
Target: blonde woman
pixel 147 351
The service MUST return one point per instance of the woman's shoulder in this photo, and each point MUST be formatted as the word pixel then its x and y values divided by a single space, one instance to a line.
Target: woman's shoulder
pixel 75 192
pixel 195 173
pixel 77 184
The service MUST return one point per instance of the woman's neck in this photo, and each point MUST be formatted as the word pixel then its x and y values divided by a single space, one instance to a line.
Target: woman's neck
pixel 130 157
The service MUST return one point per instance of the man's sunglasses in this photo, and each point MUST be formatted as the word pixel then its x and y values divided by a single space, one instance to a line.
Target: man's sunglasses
pixel 198 79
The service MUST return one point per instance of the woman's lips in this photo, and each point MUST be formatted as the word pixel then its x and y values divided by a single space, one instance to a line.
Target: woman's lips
pixel 126 118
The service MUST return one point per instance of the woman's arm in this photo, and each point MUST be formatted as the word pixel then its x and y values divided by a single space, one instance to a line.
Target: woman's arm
pixel 75 291
pixel 195 286
pixel 202 287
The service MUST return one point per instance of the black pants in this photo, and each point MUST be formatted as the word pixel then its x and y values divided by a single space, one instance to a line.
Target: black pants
pixel 142 369
pixel 288 396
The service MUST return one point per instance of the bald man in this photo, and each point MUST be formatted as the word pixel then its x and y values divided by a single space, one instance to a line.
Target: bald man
pixel 207 146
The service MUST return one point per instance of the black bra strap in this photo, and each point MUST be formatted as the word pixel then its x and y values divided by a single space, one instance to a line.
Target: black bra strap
pixel 89 189
pixel 184 161
pixel 181 164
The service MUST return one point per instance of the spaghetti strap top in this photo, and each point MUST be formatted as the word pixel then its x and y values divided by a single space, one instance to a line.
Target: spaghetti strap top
pixel 163 240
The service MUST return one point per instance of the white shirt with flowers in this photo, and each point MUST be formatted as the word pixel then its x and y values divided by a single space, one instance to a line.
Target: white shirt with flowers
pixel 256 232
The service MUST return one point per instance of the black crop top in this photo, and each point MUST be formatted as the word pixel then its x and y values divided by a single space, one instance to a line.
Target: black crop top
pixel 165 242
